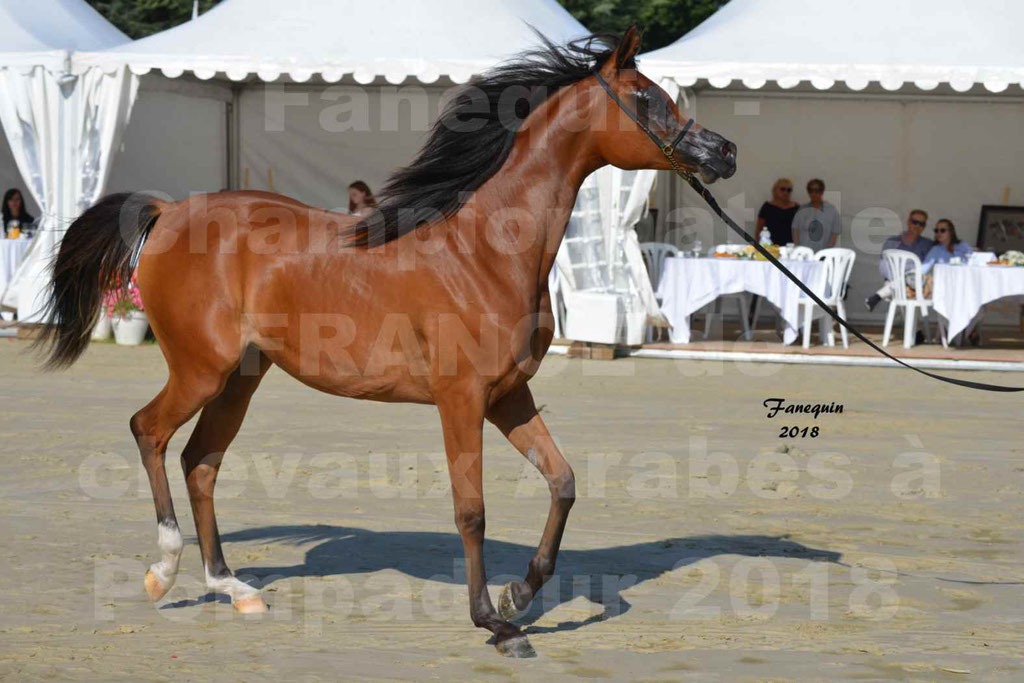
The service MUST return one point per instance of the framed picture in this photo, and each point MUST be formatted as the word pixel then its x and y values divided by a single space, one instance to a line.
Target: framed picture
pixel 1001 228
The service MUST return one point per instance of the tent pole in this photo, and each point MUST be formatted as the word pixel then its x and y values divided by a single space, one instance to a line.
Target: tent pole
pixel 232 128
pixel 229 157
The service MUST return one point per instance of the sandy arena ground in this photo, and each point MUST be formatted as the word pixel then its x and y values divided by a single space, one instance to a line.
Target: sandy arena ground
pixel 701 546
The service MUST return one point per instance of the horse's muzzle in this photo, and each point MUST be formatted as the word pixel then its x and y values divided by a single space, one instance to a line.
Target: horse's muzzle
pixel 715 156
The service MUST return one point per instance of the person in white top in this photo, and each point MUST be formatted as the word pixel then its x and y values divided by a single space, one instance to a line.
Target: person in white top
pixel 360 199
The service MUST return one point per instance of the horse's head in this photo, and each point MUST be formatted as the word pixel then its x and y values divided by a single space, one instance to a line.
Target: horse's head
pixel 641 120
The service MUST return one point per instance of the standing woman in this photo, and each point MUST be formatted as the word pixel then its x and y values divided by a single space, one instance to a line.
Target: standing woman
pixel 778 212
pixel 360 199
pixel 14 210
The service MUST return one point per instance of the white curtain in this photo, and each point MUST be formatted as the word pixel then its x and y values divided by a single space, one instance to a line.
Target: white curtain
pixel 63 131
pixel 600 279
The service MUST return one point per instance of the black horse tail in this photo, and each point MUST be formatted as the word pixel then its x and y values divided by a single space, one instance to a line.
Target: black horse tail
pixel 95 255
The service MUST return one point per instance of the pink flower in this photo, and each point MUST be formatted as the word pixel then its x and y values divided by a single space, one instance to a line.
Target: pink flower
pixel 121 302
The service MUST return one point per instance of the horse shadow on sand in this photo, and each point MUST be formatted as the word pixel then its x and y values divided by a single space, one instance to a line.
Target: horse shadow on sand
pixel 598 574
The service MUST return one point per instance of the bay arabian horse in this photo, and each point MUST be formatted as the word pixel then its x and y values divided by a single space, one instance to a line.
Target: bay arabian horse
pixel 439 297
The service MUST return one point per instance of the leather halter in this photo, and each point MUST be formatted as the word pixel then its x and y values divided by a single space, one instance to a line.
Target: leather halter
pixel 669 150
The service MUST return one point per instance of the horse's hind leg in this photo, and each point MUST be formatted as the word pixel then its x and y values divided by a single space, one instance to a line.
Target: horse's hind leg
pixel 517 418
pixel 217 426
pixel 153 426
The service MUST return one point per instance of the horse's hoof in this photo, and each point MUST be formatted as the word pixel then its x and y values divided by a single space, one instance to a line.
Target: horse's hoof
pixel 507 609
pixel 252 604
pixel 516 646
pixel 155 588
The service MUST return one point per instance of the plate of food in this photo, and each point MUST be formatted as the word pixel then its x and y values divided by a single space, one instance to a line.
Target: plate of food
pixel 1010 258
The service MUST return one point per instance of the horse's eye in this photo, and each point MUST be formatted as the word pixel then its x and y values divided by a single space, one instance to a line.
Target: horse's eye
pixel 643 105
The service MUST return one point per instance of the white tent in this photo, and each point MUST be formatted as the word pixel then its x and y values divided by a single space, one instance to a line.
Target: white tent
pixel 302 97
pixel 896 105
pixel 396 39
pixel 61 124
pixel 920 42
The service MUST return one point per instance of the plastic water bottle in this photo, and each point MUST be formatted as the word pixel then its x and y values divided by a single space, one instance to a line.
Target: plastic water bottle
pixel 765 238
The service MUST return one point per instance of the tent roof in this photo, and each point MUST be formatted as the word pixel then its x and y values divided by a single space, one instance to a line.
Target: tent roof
pixel 41 31
pixel 395 39
pixel 892 42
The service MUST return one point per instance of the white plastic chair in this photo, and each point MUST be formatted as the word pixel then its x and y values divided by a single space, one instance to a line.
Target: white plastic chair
pixel 655 254
pixel 795 254
pixel 838 266
pixel 801 254
pixel 742 300
pixel 905 267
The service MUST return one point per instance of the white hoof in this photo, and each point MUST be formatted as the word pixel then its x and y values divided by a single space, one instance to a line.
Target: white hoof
pixel 250 605
pixel 156 588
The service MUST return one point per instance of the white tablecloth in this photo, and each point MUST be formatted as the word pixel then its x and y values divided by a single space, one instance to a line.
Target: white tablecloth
pixel 959 292
pixel 11 254
pixel 689 284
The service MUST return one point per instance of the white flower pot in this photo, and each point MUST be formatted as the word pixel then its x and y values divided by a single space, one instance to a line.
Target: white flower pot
pixel 131 331
pixel 102 330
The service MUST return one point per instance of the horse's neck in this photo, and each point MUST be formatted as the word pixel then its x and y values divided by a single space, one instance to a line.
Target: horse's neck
pixel 538 183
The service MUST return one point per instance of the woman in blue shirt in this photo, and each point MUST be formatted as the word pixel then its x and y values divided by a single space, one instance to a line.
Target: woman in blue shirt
pixel 947 245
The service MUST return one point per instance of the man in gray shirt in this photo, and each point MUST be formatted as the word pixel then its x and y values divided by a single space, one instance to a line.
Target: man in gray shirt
pixel 817 224
pixel 910 240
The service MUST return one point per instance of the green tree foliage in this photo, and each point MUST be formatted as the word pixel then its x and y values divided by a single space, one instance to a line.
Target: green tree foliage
pixel 664 20
pixel 140 18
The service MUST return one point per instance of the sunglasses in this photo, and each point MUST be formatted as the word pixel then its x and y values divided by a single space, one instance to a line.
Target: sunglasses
pixel 920 224
pixel 939 231
pixel 815 190
pixel 785 189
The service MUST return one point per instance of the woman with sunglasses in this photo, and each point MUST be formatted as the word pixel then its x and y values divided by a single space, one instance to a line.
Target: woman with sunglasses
pixel 947 246
pixel 777 213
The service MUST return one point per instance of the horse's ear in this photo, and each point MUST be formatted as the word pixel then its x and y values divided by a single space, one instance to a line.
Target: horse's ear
pixel 629 45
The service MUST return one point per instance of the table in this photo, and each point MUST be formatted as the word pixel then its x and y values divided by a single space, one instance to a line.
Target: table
pixel 11 254
pixel 959 292
pixel 688 284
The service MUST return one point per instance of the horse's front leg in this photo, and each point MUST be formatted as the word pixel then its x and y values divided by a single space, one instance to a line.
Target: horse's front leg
pixel 517 418
pixel 462 417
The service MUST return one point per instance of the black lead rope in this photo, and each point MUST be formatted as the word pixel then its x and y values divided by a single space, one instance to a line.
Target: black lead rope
pixel 669 151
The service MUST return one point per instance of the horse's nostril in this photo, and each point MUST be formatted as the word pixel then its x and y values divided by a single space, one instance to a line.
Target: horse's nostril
pixel 729 149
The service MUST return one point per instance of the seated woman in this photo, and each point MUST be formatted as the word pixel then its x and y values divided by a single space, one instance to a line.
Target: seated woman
pixel 947 246
pixel 15 215
pixel 361 201
pixel 777 213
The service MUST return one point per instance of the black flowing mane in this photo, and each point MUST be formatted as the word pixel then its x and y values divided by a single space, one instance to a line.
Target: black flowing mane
pixel 474 134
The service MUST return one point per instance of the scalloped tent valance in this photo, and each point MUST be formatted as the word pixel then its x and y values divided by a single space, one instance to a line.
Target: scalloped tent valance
pixel 921 42
pixel 393 39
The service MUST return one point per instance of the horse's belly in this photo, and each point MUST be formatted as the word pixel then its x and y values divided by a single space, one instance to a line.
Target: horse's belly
pixel 376 357
pixel 332 374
